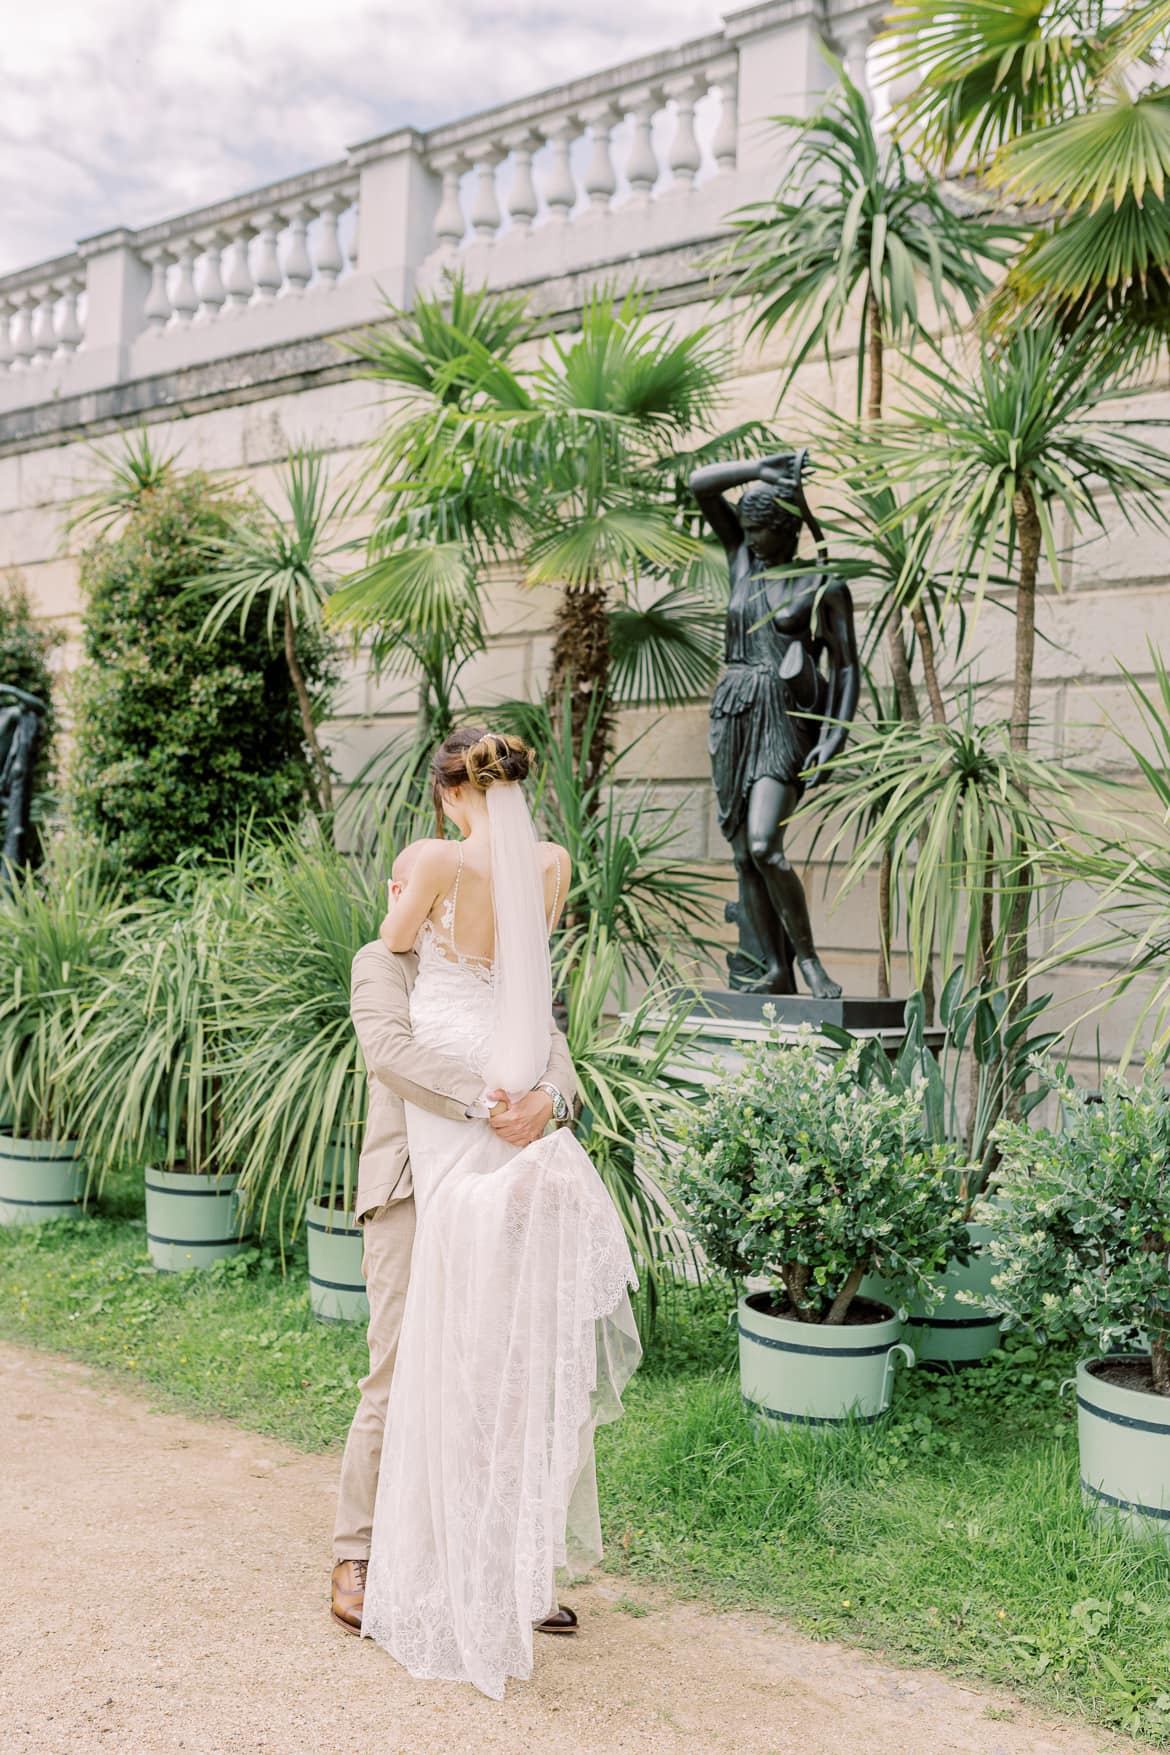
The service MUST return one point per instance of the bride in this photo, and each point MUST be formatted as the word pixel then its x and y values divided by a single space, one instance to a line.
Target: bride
pixel 517 1337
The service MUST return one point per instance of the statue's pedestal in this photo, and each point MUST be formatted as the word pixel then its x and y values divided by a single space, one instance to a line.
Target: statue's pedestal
pixel 723 1022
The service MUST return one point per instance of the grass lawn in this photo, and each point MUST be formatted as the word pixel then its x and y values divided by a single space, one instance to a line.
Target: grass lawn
pixel 950 1535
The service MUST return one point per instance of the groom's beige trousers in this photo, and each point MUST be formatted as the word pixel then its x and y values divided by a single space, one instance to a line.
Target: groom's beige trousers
pixel 397 1071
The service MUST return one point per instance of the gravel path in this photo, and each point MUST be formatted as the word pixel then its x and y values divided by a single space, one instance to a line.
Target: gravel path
pixel 165 1588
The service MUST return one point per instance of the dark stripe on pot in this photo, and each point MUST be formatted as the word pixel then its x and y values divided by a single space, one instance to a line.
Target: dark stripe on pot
pixel 812 1419
pixel 66 1200
pixel 952 1321
pixel 338 1285
pixel 197 1242
pixel 1123 1419
pixel 203 1193
pixel 335 1230
pixel 1126 1504
pixel 820 1352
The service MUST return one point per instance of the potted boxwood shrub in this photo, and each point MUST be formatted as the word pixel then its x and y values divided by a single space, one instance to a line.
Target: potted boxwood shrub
pixel 59 931
pixel 791 1172
pixel 298 1094
pixel 155 1063
pixel 1080 1235
pixel 959 1330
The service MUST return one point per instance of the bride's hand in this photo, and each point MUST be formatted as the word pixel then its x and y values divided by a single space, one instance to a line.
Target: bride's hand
pixel 524 1120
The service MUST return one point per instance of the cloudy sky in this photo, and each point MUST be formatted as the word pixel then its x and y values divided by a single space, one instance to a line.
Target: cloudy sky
pixel 125 111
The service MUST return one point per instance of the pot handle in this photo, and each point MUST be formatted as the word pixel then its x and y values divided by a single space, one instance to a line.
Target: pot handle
pixel 898 1347
pixel 1067 1384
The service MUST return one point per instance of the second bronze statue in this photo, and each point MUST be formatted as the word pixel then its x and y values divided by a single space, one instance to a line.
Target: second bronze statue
pixel 780 710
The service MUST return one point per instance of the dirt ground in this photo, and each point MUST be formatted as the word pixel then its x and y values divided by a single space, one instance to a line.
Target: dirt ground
pixel 165 1588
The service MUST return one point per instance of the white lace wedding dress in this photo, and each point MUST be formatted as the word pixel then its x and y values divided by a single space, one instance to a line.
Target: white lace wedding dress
pixel 517 1340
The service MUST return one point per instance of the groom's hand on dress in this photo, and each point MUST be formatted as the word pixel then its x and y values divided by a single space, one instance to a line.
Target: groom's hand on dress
pixel 524 1120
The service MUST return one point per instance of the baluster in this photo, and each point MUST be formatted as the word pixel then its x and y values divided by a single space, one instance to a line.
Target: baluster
pixel 642 169
pixel 238 276
pixel 44 333
pixel 298 266
pixel 600 180
pixel 724 142
pixel 157 309
pixel 266 273
pixel 69 331
pixel 685 157
pixel 6 350
pixel 330 261
pixel 351 200
pixel 184 299
pixel 23 345
pixel 854 44
pixel 560 192
pixel 485 208
pixel 450 224
pixel 211 291
pixel 523 205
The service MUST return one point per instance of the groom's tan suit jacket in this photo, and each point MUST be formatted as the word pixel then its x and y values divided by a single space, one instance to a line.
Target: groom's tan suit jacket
pixel 398 1071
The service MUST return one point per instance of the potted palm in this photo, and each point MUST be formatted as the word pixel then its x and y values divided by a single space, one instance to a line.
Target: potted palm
pixel 952 1329
pixel 791 1173
pixel 297 1101
pixel 154 1067
pixel 1080 1236
pixel 58 936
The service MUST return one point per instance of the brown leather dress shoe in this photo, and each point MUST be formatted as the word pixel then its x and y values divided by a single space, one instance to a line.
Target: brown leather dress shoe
pixel 349 1590
pixel 560 1621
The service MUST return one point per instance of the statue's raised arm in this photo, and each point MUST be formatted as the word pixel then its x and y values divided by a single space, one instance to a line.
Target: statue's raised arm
pixel 781 707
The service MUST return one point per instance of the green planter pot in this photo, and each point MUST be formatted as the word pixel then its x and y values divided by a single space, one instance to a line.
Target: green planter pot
pixel 40 1180
pixel 953 1333
pixel 806 1374
pixel 337 1289
pixel 191 1221
pixel 1124 1438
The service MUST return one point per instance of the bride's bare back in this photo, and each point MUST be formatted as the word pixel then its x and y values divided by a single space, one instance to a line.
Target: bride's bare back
pixel 448 883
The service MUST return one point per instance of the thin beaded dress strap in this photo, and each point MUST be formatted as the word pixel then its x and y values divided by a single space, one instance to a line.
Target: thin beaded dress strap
pixel 455 900
pixel 552 914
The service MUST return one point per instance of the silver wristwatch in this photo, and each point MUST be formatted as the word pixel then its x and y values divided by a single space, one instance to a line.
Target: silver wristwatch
pixel 560 1107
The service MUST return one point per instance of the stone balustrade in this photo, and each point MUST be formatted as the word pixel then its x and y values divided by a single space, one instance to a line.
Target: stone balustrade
pixel 625 166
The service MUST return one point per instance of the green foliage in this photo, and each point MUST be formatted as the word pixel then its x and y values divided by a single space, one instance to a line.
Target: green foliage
pixel 26 648
pixel 156 1059
pixel 298 1085
pixel 177 741
pixel 60 939
pixel 789 1170
pixel 853 218
pixel 1081 1220
pixel 1002 1051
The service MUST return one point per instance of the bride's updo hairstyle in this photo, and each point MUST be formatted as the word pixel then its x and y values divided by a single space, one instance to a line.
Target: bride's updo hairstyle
pixel 474 757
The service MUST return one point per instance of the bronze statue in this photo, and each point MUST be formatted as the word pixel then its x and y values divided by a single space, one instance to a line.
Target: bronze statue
pixel 20 731
pixel 776 716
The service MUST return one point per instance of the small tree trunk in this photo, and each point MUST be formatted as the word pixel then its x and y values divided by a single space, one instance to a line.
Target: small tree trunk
pixel 796 1277
pixel 1028 525
pixel 875 358
pixel 883 981
pixel 982 971
pixel 925 639
pixel 839 1308
pixel 316 754
pixel 581 660
pixel 1160 1361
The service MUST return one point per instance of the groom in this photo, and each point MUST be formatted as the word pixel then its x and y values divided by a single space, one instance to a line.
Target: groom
pixel 399 1071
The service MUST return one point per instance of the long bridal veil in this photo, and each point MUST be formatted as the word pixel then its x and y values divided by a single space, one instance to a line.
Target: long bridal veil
pixel 518 1052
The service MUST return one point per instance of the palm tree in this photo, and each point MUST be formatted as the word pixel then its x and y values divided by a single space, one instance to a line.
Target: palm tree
pixel 281 560
pixel 570 464
pixel 1049 104
pixel 987 460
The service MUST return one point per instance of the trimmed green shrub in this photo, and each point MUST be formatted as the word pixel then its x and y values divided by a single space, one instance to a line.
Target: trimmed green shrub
pixel 178 739
pixel 792 1171
pixel 1081 1221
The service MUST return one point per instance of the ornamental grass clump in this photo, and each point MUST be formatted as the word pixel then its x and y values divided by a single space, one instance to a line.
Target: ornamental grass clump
pixel 792 1172
pixel 1081 1222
